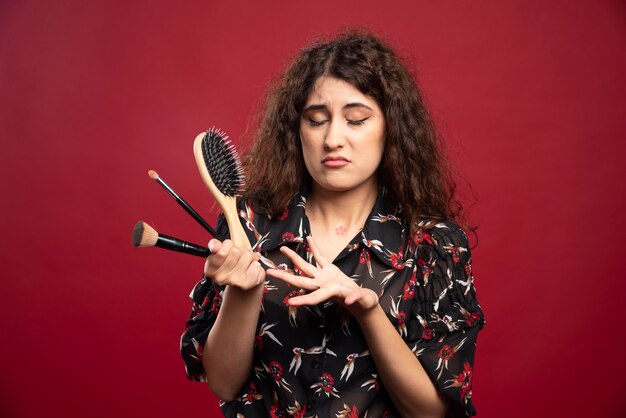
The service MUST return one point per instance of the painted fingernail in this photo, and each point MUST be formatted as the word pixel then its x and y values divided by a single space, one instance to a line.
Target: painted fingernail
pixel 211 245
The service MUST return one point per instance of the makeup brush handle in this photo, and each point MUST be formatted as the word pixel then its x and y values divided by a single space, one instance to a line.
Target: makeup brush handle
pixel 175 244
pixel 189 209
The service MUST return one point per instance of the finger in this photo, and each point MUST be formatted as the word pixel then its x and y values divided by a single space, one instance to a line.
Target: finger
pixel 297 281
pixel 313 298
pixel 319 258
pixel 260 274
pixel 224 248
pixel 214 245
pixel 223 262
pixel 212 262
pixel 240 271
pixel 253 277
pixel 227 256
pixel 299 262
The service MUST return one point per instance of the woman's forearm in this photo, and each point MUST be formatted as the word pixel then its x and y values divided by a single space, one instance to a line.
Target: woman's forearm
pixel 410 388
pixel 229 348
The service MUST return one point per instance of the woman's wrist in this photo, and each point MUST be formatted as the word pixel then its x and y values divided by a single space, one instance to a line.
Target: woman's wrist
pixel 364 307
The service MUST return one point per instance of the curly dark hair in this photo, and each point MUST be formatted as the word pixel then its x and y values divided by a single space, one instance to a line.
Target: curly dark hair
pixel 413 172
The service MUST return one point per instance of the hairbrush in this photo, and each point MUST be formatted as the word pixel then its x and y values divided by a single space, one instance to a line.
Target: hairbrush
pixel 155 176
pixel 146 236
pixel 220 169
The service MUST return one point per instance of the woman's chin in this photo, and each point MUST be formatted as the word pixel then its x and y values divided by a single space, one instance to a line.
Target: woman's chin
pixel 344 186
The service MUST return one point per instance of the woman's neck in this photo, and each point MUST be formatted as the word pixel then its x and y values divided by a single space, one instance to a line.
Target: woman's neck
pixel 340 212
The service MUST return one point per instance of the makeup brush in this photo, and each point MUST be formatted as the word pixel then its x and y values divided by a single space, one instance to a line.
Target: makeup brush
pixel 221 172
pixel 146 236
pixel 155 176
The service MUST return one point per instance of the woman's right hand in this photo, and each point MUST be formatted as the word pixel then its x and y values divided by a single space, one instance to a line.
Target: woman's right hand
pixel 233 266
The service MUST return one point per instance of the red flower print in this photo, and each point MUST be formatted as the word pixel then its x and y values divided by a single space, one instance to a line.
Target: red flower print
pixel 258 342
pixel 276 370
pixel 409 287
pixel 293 310
pixel 425 268
pixel 287 237
pixel 446 352
pixel 284 215
pixel 364 257
pixel 472 319
pixel 455 252
pixel 427 333
pixel 464 381
pixel 300 413
pixel 251 393
pixel 354 413
pixel 290 295
pixel 278 411
pixel 326 385
pixel 421 236
pixel 327 382
pixel 401 318
pixel 217 302
pixel 396 259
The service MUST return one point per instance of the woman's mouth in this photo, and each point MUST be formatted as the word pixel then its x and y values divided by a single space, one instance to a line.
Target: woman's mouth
pixel 334 161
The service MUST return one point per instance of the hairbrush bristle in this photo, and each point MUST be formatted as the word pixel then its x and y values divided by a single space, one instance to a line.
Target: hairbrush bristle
pixel 222 162
pixel 144 235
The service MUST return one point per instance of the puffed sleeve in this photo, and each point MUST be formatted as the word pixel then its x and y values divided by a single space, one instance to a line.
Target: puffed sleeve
pixel 445 315
pixel 207 299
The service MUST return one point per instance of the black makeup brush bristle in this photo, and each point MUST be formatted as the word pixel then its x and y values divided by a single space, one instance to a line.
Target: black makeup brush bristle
pixel 222 162
pixel 137 233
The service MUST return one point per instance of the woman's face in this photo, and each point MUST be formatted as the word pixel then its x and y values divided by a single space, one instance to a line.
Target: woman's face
pixel 342 135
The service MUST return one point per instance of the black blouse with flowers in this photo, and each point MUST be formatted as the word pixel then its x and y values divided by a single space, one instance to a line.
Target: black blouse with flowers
pixel 314 361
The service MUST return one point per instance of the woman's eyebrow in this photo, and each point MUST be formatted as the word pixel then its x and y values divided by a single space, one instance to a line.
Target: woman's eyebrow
pixel 357 104
pixel 314 107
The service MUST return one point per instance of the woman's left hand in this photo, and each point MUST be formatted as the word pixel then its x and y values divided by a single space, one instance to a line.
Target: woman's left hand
pixel 324 282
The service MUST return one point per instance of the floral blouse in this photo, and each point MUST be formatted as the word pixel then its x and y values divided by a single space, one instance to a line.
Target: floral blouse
pixel 313 361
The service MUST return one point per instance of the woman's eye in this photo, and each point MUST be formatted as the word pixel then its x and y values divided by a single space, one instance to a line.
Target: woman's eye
pixel 358 122
pixel 313 122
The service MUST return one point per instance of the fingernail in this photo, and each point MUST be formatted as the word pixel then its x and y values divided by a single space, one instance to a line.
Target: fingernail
pixel 211 245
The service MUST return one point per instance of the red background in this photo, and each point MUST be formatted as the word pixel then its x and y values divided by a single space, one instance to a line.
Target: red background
pixel 531 97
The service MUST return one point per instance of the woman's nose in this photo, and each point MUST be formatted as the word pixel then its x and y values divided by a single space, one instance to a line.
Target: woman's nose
pixel 335 135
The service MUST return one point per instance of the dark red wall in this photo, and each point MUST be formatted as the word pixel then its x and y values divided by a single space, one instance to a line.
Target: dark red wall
pixel 530 96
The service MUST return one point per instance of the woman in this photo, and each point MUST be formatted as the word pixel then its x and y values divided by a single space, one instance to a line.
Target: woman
pixel 357 297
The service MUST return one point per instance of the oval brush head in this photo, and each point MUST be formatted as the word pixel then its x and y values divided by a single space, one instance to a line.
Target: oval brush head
pixel 222 162
pixel 220 169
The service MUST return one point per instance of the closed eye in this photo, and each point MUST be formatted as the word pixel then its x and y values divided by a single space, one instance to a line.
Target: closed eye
pixel 313 122
pixel 357 122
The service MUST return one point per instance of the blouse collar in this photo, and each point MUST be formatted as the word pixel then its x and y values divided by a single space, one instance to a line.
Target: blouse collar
pixel 383 232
